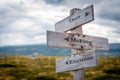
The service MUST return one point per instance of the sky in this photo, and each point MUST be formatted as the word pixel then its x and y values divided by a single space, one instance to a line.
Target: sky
pixel 25 22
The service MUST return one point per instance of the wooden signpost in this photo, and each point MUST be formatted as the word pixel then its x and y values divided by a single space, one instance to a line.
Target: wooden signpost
pixel 76 41
pixel 79 18
pixel 77 62
pixel 83 46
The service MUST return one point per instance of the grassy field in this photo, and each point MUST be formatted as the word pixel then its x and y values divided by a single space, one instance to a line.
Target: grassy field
pixel 43 68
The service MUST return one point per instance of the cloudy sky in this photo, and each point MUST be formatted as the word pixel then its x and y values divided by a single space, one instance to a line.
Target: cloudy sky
pixel 26 21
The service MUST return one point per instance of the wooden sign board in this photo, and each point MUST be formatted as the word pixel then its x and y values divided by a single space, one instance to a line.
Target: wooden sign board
pixel 77 62
pixel 79 18
pixel 76 41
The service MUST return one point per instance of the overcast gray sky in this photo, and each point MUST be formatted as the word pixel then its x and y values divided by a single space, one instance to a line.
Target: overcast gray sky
pixel 26 21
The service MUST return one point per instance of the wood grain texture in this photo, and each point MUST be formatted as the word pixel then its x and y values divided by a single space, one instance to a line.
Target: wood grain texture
pixel 76 41
pixel 80 73
pixel 79 18
pixel 77 62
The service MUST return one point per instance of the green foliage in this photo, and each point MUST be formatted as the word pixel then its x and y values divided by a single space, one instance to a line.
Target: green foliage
pixel 110 74
pixel 45 78
pixel 43 68
pixel 107 77
pixel 114 70
pixel 7 65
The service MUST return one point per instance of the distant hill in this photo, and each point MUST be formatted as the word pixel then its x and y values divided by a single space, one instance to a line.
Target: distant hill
pixel 44 50
pixel 114 50
pixel 30 49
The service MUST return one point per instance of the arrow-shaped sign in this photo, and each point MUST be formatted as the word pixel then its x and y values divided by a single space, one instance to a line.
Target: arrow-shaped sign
pixel 77 62
pixel 76 41
pixel 79 18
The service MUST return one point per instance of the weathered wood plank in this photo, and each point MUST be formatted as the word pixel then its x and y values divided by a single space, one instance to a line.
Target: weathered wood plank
pixel 79 18
pixel 77 62
pixel 79 74
pixel 76 41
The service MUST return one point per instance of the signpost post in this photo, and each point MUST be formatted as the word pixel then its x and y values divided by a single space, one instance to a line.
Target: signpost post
pixel 83 46
pixel 78 74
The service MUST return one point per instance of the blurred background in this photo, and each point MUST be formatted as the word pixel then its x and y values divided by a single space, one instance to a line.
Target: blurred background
pixel 24 54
